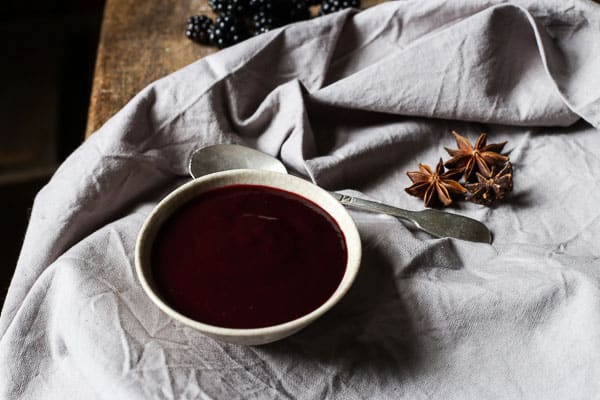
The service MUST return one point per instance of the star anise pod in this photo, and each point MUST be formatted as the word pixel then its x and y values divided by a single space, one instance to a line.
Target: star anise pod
pixel 436 185
pixel 490 186
pixel 482 155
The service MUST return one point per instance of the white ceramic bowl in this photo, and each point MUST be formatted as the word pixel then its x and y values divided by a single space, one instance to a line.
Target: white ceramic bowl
pixel 289 183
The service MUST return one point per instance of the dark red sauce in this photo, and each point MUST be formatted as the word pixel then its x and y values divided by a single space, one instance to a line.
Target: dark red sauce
pixel 247 256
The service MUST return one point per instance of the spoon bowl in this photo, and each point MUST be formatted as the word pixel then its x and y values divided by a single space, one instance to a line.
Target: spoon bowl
pixel 225 157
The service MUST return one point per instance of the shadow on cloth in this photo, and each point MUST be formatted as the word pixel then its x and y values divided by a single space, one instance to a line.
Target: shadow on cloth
pixel 370 329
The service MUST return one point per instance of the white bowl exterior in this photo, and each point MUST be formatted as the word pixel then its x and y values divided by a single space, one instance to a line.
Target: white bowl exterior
pixel 285 182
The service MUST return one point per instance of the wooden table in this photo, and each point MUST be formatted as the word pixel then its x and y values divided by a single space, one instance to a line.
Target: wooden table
pixel 139 43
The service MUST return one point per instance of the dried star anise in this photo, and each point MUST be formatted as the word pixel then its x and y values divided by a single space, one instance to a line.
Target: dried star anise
pixel 491 186
pixel 482 155
pixel 428 184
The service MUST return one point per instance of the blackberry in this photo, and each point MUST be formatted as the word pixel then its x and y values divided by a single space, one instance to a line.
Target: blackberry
pixel 297 10
pixel 236 18
pixel 218 6
pixel 199 28
pixel 261 5
pixel 331 6
pixel 236 8
pixel 228 31
pixel 282 11
pixel 264 21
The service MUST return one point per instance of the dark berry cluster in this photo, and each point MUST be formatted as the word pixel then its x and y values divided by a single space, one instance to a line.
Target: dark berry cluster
pixel 239 19
pixel 199 28
pixel 331 6
pixel 228 30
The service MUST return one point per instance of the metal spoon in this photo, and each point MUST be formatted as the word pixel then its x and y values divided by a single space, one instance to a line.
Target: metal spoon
pixel 222 157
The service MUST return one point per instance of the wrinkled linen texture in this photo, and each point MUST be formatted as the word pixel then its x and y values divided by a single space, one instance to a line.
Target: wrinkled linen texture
pixel 350 101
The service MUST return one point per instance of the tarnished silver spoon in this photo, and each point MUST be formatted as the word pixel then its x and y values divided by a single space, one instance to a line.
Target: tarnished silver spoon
pixel 222 157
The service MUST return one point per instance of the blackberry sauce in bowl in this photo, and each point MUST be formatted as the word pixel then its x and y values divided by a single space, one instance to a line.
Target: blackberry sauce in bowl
pixel 248 256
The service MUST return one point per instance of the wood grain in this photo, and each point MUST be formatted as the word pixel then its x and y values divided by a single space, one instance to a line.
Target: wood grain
pixel 139 43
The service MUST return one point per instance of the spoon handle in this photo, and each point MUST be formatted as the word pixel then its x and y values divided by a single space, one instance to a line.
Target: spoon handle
pixel 436 223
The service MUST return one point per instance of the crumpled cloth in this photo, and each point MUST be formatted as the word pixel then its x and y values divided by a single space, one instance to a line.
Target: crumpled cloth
pixel 351 101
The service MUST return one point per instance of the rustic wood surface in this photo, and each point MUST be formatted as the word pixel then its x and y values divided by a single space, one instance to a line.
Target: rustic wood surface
pixel 139 43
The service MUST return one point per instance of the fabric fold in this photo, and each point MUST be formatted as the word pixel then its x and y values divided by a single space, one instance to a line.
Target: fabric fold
pixel 350 101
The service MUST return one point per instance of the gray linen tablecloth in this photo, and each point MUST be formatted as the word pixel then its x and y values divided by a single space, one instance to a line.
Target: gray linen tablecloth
pixel 351 101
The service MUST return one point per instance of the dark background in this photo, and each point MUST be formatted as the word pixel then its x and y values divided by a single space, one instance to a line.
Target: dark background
pixel 46 69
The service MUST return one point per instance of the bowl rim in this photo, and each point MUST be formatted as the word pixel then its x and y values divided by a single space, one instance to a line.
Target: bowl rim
pixel 290 183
